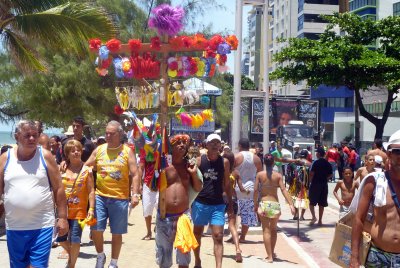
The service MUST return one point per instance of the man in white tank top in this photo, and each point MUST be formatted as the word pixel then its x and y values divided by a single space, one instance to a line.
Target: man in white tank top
pixel 248 165
pixel 29 177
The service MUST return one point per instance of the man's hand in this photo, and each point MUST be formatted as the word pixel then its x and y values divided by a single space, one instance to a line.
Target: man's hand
pixel 90 214
pixel 341 202
pixel 192 169
pixel 62 227
pixel 134 201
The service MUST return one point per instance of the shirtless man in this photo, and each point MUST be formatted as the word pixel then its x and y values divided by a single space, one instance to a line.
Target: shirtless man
pixel 180 178
pixel 44 140
pixel 347 188
pixel 385 232
pixel 368 168
pixel 378 150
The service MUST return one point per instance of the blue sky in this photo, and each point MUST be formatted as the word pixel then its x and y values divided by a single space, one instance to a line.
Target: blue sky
pixel 222 20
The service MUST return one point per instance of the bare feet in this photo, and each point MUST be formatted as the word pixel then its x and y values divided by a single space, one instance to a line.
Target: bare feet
pixel 230 240
pixel 319 223
pixel 313 221
pixel 269 260
pixel 239 257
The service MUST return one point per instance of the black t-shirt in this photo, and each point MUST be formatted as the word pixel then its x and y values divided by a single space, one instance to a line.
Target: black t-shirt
pixel 213 177
pixel 88 147
pixel 322 169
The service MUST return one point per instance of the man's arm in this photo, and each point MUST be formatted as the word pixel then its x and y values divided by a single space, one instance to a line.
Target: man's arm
pixel 359 218
pixel 195 180
pixel 227 184
pixel 3 159
pixel 58 191
pixel 133 170
pixel 258 163
pixel 91 162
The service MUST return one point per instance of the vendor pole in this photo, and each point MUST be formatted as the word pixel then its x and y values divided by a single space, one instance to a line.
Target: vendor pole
pixel 237 78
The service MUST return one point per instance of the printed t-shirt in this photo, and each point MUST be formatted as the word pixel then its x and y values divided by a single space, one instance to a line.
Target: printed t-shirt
pixel 112 172
pixel 149 171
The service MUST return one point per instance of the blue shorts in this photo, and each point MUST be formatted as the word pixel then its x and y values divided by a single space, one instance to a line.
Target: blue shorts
pixel 74 235
pixel 208 214
pixel 116 210
pixel 30 247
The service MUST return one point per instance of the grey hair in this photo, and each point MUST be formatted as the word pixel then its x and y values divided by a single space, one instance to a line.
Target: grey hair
pixel 117 125
pixel 22 123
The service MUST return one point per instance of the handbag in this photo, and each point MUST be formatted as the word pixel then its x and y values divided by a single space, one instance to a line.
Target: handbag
pixel 340 253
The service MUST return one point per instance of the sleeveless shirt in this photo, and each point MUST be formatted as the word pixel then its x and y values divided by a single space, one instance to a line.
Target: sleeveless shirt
pixel 247 171
pixel 77 193
pixel 213 177
pixel 112 178
pixel 28 199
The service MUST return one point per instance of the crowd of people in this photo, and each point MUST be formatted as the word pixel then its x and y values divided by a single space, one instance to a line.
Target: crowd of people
pixel 52 187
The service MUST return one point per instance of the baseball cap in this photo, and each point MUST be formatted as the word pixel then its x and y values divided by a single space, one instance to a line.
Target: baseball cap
pixel 226 147
pixel 378 159
pixel 320 150
pixel 394 139
pixel 213 137
pixel 70 131
pixel 272 142
pixel 296 146
pixel 101 138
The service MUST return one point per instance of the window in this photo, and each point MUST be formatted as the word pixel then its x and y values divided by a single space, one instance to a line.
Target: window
pixel 356 4
pixel 337 102
pixel 313 18
pixel 300 6
pixel 396 9
pixel 300 22
pixel 322 2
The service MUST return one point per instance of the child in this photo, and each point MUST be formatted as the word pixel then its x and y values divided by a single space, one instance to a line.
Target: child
pixel 348 188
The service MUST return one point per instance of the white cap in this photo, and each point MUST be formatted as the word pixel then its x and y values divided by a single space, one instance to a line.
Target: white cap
pixel 378 159
pixel 296 146
pixel 272 141
pixel 70 131
pixel 213 137
pixel 101 138
pixel 394 139
pixel 226 147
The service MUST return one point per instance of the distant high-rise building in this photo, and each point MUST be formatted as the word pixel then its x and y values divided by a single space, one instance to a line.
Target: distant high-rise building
pixel 254 28
pixel 245 64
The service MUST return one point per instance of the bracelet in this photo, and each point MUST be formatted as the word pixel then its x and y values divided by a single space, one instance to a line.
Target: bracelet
pixel 136 195
pixel 91 209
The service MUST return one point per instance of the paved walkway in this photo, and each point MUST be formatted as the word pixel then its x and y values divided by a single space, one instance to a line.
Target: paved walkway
pixel 137 253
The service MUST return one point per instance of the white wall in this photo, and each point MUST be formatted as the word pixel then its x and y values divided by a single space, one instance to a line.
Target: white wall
pixel 344 126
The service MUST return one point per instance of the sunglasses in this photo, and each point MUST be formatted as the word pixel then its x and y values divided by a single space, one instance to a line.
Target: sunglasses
pixel 395 151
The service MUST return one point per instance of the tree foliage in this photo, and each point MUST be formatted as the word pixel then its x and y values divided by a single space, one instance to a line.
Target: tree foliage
pixel 350 59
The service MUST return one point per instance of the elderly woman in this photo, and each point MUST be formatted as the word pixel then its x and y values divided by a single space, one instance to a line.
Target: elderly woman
pixel 79 189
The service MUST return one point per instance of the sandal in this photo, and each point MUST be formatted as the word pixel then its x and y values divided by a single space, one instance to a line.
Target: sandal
pixel 238 257
pixel 147 238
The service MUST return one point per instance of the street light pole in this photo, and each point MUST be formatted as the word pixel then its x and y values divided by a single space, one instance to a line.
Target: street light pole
pixel 266 78
pixel 237 87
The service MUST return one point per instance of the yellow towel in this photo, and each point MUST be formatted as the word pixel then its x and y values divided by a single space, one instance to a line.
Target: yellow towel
pixel 185 240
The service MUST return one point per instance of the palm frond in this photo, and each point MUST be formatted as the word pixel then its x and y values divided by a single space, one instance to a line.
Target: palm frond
pixel 17 7
pixel 66 26
pixel 21 53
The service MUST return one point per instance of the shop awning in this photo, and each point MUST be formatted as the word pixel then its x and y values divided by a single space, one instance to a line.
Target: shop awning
pixel 201 87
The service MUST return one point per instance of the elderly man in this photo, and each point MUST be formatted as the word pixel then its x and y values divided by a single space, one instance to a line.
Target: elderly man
pixel 209 206
pixel 29 177
pixel 381 190
pixel 114 162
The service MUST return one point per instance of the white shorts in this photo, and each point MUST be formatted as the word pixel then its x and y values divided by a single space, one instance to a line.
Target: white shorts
pixel 149 201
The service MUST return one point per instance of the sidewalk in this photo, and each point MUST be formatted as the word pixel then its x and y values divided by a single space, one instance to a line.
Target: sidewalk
pixel 315 240
pixel 136 252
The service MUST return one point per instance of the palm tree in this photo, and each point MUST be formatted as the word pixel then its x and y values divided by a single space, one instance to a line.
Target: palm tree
pixel 55 24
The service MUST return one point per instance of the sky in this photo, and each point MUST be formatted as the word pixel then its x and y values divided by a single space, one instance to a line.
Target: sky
pixel 222 21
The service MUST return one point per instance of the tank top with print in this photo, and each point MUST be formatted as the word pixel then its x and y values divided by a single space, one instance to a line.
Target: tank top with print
pixel 112 178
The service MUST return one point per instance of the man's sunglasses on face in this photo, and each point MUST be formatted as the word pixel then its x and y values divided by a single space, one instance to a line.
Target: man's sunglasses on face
pixel 395 151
